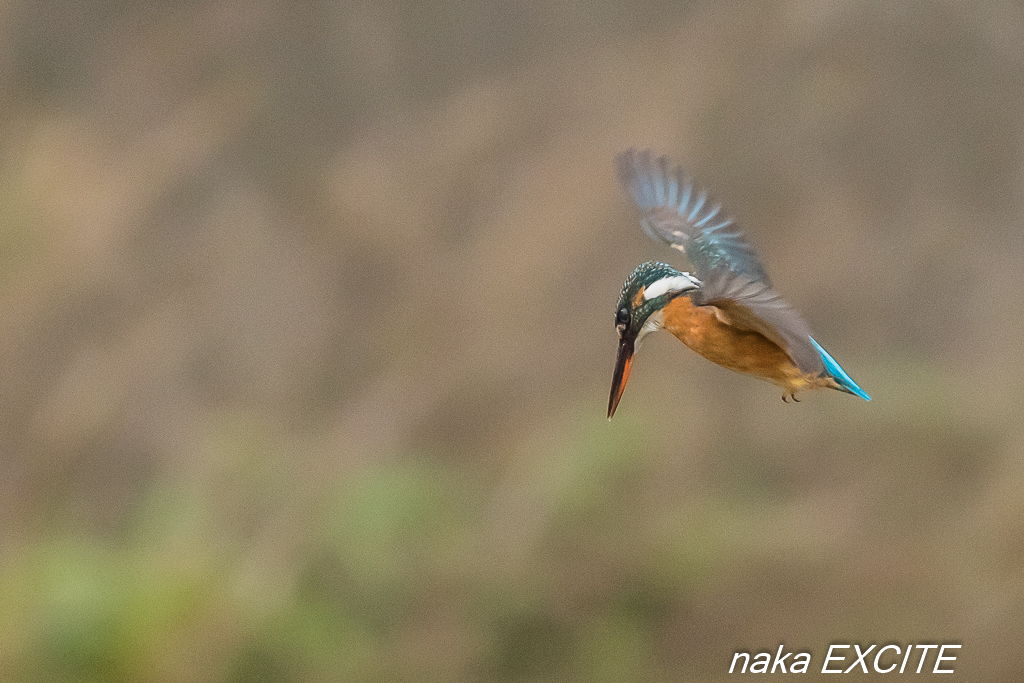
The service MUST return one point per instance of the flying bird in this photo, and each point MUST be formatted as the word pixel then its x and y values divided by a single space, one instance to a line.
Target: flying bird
pixel 726 310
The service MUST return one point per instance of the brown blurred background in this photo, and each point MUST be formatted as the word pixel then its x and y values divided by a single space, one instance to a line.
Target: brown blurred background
pixel 306 334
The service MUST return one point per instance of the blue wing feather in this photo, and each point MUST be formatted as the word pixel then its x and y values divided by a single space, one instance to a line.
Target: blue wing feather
pixel 654 186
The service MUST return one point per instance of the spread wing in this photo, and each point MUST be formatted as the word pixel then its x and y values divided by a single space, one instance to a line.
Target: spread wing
pixel 673 210
pixel 732 278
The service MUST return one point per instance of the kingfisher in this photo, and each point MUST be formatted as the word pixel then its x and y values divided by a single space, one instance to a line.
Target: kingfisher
pixel 726 310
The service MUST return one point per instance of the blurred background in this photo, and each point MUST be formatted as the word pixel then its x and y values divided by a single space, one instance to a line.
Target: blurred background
pixel 306 336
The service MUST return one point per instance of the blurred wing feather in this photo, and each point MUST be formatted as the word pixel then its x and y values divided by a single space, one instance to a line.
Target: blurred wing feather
pixel 674 211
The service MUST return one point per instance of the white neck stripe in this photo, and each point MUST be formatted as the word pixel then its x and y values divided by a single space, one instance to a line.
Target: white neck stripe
pixel 674 283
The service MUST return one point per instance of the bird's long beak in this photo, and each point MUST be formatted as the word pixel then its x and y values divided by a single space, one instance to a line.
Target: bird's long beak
pixel 623 362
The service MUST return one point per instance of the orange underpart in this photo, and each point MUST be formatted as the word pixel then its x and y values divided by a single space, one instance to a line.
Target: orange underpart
pixel 744 351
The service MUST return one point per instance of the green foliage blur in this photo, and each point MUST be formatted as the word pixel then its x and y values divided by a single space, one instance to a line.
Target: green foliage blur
pixel 306 334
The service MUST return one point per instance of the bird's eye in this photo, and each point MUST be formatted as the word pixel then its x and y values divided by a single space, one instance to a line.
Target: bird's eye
pixel 622 316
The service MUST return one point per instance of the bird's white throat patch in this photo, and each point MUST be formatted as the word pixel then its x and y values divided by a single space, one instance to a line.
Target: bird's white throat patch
pixel 674 283
pixel 654 323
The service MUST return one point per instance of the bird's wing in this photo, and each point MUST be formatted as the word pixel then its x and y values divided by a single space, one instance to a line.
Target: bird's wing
pixel 732 278
pixel 750 304
pixel 673 210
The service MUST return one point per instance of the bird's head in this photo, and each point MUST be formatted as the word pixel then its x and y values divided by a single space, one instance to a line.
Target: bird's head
pixel 647 291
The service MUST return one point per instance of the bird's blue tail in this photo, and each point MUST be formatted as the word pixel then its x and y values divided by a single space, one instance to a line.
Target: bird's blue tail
pixel 844 381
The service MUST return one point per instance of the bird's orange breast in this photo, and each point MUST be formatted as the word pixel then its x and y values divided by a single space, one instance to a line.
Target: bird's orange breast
pixel 741 350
